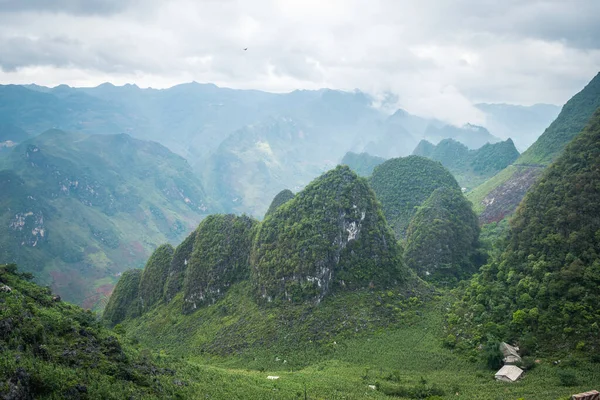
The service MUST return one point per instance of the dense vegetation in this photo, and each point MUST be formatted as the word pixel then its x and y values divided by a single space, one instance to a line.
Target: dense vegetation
pixel 124 301
pixel 155 274
pixel 442 240
pixel 278 200
pixel 363 163
pixel 499 196
pixel 179 263
pixel 52 349
pixel 542 290
pixel 332 235
pixel 401 184
pixel 78 209
pixel 220 258
pixel 573 117
pixel 470 167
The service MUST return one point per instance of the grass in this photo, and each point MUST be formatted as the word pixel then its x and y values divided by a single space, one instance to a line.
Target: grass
pixel 234 351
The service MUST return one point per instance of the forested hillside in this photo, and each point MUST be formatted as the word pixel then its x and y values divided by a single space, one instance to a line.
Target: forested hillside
pixel 542 290
pixel 401 184
pixel 470 167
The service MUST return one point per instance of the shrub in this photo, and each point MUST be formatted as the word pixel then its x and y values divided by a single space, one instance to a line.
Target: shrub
pixel 567 377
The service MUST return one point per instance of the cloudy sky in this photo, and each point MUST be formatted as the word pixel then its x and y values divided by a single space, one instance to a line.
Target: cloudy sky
pixel 437 56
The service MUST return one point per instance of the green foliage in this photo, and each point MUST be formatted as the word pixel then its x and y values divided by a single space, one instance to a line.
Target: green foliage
pixel 491 354
pixel 567 377
pixel 363 163
pixel 573 117
pixel 442 240
pixel 470 167
pixel 332 235
pixel 51 349
pixel 156 271
pixel 278 200
pixel 124 301
pixel 543 287
pixel 402 184
pixel 220 258
pixel 179 263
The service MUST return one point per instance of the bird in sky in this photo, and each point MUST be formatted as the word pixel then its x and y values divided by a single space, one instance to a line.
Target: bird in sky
pixel 245 48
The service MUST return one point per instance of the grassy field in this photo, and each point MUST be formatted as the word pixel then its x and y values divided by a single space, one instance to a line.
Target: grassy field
pixel 407 361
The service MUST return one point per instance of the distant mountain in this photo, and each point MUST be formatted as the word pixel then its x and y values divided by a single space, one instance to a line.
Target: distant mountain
pixel 542 290
pixel 573 117
pixel 472 136
pixel 402 184
pixel 79 209
pixel 523 124
pixel 363 163
pixel 501 194
pixel 10 136
pixel 470 167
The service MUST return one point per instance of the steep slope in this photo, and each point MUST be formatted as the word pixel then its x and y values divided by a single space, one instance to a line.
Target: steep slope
pixel 501 195
pixel 52 349
pixel 156 271
pixel 401 184
pixel 543 289
pixel 523 124
pixel 220 259
pixel 573 117
pixel 331 236
pixel 124 301
pixel 282 197
pixel 470 167
pixel 363 163
pixel 78 209
pixel 442 240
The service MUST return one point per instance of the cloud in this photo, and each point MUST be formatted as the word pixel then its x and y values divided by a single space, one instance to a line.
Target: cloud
pixel 436 57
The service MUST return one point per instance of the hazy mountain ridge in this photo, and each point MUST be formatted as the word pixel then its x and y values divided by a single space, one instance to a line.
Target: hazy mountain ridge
pixel 470 167
pixel 79 209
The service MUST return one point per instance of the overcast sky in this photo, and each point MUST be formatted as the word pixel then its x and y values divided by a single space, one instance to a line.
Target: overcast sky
pixel 438 56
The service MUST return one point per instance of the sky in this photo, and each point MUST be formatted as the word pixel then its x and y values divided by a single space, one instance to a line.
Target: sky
pixel 436 57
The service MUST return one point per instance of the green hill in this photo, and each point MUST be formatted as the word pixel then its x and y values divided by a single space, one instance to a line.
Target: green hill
pixel 331 236
pixel 470 167
pixel 543 289
pixel 363 163
pixel 573 117
pixel 282 197
pixel 442 240
pixel 79 209
pixel 401 184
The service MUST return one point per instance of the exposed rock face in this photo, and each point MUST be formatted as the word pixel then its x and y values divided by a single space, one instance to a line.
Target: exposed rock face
pixel 332 235
pixel 220 258
pixel 505 198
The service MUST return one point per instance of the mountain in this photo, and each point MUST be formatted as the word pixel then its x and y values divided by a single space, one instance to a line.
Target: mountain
pixel 573 117
pixel 521 123
pixel 10 136
pixel 220 259
pixel 473 136
pixel 331 236
pixel 363 163
pixel 255 163
pixel 543 288
pixel 470 167
pixel 442 240
pixel 500 195
pixel 79 209
pixel 282 197
pixel 401 184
